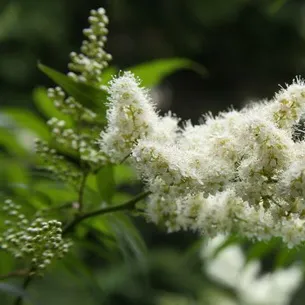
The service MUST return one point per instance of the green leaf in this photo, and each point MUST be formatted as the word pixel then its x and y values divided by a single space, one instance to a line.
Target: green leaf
pixel 92 195
pixel 28 120
pixel 261 249
pixel 121 196
pixel 105 183
pixel 46 106
pixel 153 72
pixel 88 96
pixel 10 143
pixel 285 256
pixel 7 261
pixel 128 237
pixel 107 74
pixel 17 176
pixel 103 232
pixel 58 192
pixel 124 174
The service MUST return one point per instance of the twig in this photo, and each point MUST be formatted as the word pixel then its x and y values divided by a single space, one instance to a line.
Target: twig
pixel 26 282
pixel 125 206
pixel 125 158
pixel 16 273
pixel 59 207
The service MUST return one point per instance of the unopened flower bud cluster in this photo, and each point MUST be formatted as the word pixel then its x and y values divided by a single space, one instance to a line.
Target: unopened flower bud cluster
pixel 87 66
pixel 241 171
pixel 83 144
pixel 40 241
pixel 69 106
pixel 56 163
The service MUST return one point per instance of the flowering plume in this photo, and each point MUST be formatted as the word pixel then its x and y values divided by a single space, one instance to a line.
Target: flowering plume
pixel 241 171
pixel 87 65
pixel 131 117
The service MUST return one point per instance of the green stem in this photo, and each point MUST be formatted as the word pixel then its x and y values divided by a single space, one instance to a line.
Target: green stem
pixel 26 282
pixel 16 273
pixel 125 206
pixel 124 159
pixel 81 192
pixel 68 205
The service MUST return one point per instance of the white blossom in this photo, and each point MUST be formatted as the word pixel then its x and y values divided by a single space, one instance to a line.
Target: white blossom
pixel 131 116
pixel 228 266
pixel 292 181
pixel 240 171
pixel 289 105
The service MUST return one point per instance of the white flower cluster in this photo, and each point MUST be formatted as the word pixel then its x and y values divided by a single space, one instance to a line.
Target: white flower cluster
pixel 228 267
pixel 241 171
pixel 131 117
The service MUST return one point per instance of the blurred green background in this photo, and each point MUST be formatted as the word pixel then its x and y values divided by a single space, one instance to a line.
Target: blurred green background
pixel 247 48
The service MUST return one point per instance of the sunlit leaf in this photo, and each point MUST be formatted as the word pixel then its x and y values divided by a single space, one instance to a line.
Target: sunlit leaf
pixel 285 256
pixel 153 72
pixel 124 174
pixel 18 177
pixel 107 74
pixel 28 120
pixel 10 144
pixel 120 197
pixel 260 249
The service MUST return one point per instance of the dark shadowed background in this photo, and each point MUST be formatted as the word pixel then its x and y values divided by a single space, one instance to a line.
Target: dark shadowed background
pixel 248 47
